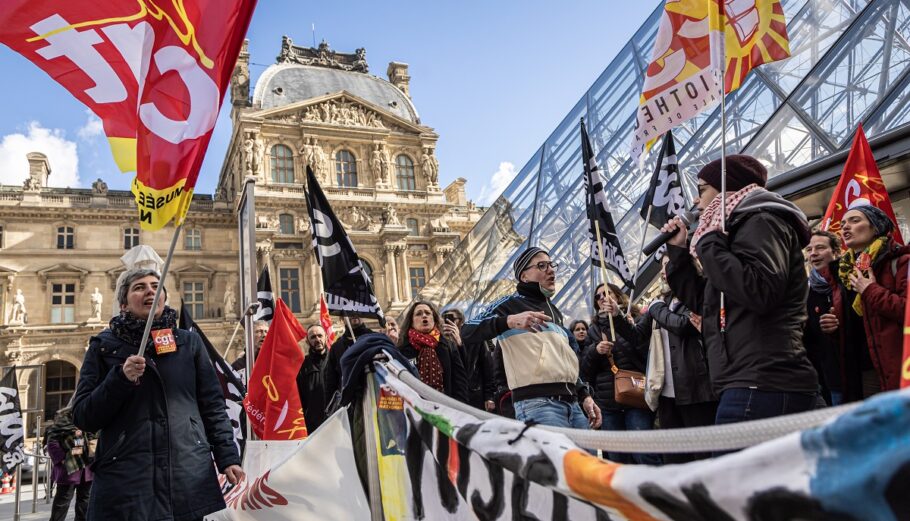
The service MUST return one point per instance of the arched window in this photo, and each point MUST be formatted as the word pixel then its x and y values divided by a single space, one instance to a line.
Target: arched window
pixel 404 171
pixel 345 168
pixel 413 226
pixel 59 386
pixel 286 224
pixel 282 160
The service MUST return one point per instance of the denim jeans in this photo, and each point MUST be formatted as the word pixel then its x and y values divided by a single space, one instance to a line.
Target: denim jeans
pixel 738 405
pixel 629 420
pixel 554 413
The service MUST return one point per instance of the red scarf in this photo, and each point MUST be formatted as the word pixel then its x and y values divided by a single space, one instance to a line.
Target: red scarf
pixel 428 364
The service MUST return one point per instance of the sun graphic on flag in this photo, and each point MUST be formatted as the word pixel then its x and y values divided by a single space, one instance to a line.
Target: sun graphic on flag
pixel 756 33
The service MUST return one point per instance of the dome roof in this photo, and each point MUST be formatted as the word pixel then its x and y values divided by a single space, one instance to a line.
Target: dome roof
pixel 286 83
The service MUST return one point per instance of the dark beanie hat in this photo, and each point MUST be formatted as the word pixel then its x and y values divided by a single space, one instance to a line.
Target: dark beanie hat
pixel 879 219
pixel 742 171
pixel 522 261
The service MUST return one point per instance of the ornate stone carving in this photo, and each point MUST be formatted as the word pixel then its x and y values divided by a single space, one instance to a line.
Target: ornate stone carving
pixel 343 113
pixel 230 301
pixel 99 187
pixel 355 218
pixel 18 315
pixel 96 299
pixel 430 167
pixel 386 165
pixel 316 158
pixel 248 154
pixel 390 216
pixel 32 184
pixel 258 148
pixel 323 56
pixel 376 163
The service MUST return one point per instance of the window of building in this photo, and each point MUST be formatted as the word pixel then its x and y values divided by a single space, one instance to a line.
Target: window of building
pixel 413 226
pixel 345 168
pixel 404 171
pixel 418 280
pixel 66 237
pixel 63 303
pixel 194 298
pixel 282 162
pixel 130 238
pixel 59 386
pixel 290 288
pixel 193 240
pixel 286 224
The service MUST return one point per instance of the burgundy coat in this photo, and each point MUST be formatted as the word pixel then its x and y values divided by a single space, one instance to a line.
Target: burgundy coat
pixel 59 475
pixel 884 303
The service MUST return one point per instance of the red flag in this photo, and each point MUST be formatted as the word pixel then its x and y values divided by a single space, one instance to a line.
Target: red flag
pixel 905 361
pixel 155 73
pixel 272 402
pixel 326 322
pixel 860 183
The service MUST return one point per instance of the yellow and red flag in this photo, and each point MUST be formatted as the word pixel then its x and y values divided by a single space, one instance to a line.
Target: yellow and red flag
pixel 325 320
pixel 272 402
pixel 697 42
pixel 905 360
pixel 860 183
pixel 153 71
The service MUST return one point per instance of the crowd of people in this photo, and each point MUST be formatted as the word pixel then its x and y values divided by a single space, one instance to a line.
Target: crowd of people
pixel 756 316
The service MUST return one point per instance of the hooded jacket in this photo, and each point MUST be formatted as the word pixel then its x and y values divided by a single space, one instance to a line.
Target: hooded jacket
pixel 691 383
pixel 759 266
pixel 630 351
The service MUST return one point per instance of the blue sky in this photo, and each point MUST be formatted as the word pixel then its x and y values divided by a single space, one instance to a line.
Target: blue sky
pixel 492 78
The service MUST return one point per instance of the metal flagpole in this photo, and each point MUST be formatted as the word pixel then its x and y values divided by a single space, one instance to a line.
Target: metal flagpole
pixel 167 263
pixel 644 228
pixel 603 274
pixel 723 148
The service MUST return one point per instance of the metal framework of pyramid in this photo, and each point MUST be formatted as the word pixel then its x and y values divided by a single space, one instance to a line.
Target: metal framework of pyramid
pixel 850 64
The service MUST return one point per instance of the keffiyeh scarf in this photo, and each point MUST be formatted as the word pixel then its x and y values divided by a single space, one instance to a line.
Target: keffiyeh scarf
pixel 711 218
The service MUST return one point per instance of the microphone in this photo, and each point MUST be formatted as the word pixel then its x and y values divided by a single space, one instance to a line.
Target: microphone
pixel 687 218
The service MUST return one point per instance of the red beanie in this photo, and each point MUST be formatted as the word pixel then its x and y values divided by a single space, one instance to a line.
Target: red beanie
pixel 742 171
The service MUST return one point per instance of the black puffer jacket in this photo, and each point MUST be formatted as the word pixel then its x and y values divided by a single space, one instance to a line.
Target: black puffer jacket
pixel 158 437
pixel 691 381
pixel 760 268
pixel 630 351
pixel 311 387
pixel 454 378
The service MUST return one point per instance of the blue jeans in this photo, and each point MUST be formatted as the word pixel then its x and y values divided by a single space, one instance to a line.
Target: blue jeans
pixel 629 420
pixel 738 405
pixel 555 413
pixel 837 398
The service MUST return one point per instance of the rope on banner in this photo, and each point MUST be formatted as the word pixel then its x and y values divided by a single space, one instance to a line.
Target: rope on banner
pixel 662 441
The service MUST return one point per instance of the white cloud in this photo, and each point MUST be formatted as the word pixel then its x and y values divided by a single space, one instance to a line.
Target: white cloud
pixel 61 154
pixel 499 182
pixel 92 128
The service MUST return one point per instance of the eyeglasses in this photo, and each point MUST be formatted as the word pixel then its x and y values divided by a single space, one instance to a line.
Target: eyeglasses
pixel 600 296
pixel 543 265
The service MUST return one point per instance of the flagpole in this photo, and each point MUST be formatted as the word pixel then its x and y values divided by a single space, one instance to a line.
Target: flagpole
pixel 158 291
pixel 644 228
pixel 723 147
pixel 603 274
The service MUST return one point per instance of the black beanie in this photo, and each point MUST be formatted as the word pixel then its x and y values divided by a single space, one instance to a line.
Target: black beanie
pixel 877 218
pixel 742 171
pixel 522 261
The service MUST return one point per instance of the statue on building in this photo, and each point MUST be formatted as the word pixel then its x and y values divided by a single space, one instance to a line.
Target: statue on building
pixel 430 167
pixel 248 155
pixel 32 184
pixel 320 162
pixel 360 61
pixel 308 151
pixel 97 299
pixel 355 218
pixel 230 301
pixel 391 216
pixel 376 164
pixel 18 315
pixel 99 187
pixel 257 157
pixel 386 165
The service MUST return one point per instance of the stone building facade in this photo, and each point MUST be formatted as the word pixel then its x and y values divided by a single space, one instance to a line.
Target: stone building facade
pixel 60 249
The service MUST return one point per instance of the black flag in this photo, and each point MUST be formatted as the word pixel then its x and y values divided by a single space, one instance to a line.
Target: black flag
pixel 12 433
pixel 231 385
pixel 348 289
pixel 265 297
pixel 599 212
pixel 665 194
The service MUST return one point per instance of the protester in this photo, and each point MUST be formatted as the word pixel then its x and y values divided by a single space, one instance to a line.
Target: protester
pixel 260 330
pixel 391 329
pixel 823 346
pixel 355 329
pixel 311 378
pixel 756 358
pixel 436 357
pixel 686 398
pixel 629 351
pixel 873 271
pixel 579 329
pixel 478 362
pixel 528 328
pixel 161 417
pixel 70 452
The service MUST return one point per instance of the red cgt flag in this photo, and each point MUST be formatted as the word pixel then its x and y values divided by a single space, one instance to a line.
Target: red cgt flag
pixel 326 321
pixel 860 183
pixel 154 72
pixel 272 402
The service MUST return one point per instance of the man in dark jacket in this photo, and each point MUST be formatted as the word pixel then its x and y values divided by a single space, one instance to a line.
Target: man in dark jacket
pixel 540 365
pixel 333 367
pixel 477 358
pixel 822 346
pixel 756 358
pixel 311 379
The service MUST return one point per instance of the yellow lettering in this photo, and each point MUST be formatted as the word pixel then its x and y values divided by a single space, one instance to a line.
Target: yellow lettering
pixel 270 388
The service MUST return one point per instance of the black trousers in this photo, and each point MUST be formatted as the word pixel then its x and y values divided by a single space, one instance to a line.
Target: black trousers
pixel 63 497
pixel 673 416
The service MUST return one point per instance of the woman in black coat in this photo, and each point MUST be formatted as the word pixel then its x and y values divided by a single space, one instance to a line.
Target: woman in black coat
pixel 162 416
pixel 436 358
pixel 629 351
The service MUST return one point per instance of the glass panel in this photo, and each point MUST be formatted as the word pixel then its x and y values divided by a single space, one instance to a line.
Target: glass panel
pixel 404 171
pixel 282 164
pixel 345 169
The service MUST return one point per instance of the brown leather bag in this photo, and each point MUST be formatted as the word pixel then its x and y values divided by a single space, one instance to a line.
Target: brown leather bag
pixel 628 387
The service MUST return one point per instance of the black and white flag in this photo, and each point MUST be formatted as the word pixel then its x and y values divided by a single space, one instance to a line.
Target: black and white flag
pixel 599 214
pixel 665 197
pixel 348 289
pixel 231 384
pixel 265 297
pixel 12 433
